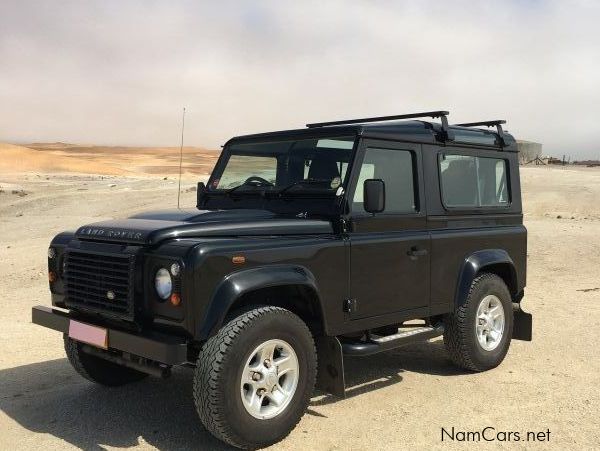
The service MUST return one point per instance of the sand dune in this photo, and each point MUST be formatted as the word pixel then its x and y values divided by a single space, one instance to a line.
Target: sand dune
pixel 107 160
pixel 24 159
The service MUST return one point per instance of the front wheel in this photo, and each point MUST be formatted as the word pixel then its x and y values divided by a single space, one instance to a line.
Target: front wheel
pixel 254 378
pixel 477 334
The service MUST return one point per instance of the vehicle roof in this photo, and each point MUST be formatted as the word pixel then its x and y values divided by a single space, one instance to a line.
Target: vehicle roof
pixel 412 131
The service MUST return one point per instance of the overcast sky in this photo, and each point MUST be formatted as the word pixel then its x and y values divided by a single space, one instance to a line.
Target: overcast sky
pixel 119 72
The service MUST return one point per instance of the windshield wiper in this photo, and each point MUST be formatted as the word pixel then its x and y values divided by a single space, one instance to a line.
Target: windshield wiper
pixel 235 188
pixel 301 183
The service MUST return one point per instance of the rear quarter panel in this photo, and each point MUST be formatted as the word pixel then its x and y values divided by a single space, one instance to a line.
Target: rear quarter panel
pixel 458 233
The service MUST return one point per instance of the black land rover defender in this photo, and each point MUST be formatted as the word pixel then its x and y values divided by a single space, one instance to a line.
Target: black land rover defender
pixel 305 246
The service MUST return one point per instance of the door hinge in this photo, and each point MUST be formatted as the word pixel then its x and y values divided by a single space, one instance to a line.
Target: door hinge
pixel 345 225
pixel 350 305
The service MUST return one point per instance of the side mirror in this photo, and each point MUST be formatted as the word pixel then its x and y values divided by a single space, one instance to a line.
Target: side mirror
pixel 374 196
pixel 200 193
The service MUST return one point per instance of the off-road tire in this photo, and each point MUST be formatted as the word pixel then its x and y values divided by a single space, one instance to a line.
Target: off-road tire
pixel 460 336
pixel 99 370
pixel 218 374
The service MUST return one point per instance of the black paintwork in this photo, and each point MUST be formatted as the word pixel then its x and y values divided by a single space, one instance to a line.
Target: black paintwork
pixel 157 347
pixel 345 272
pixel 370 347
pixel 153 227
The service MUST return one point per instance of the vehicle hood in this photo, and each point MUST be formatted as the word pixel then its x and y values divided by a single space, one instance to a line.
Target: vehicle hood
pixel 154 227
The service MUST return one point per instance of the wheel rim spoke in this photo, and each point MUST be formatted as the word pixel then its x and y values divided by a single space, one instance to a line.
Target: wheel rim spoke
pixel 247 375
pixel 496 311
pixel 489 322
pixel 278 396
pixel 269 379
pixel 495 335
pixel 256 401
pixel 285 364
pixel 266 353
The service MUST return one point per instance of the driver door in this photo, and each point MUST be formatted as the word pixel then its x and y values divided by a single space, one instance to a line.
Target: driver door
pixel 389 251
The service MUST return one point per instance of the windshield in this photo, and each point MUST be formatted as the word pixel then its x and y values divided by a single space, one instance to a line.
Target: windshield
pixel 305 165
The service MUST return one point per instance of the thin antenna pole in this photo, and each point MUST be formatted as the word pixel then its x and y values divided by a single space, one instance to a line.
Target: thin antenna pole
pixel 180 156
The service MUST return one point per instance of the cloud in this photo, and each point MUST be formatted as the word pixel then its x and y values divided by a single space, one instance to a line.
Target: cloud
pixel 119 72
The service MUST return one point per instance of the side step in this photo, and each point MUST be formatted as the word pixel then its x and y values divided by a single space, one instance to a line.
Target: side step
pixel 330 376
pixel 380 344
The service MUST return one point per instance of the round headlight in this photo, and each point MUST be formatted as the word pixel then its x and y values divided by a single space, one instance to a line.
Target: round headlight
pixel 163 283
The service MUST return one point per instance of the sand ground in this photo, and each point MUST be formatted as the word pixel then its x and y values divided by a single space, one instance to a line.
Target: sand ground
pixel 397 400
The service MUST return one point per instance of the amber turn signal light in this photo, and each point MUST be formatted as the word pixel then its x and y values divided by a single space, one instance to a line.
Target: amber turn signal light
pixel 175 299
pixel 238 259
pixel 52 276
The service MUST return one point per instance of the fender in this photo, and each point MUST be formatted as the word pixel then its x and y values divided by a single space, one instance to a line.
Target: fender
pixel 239 283
pixel 477 262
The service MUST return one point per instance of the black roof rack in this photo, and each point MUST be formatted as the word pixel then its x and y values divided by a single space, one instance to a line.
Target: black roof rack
pixel 497 123
pixel 433 114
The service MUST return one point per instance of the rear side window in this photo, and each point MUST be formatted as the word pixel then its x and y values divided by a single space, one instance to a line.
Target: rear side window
pixel 471 182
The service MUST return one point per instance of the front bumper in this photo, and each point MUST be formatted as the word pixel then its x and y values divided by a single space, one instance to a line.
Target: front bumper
pixel 158 347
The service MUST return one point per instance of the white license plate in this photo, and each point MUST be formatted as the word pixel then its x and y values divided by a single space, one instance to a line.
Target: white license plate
pixel 93 335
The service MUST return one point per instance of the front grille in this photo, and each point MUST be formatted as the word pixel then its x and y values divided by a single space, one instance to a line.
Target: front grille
pixel 100 283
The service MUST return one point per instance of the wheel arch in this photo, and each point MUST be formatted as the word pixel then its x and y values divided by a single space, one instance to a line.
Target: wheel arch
pixel 289 286
pixel 495 261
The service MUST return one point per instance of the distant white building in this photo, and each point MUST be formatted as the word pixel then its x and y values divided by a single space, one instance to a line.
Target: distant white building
pixel 528 151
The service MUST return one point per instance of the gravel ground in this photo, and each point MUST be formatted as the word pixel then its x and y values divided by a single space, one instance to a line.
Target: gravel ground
pixel 397 400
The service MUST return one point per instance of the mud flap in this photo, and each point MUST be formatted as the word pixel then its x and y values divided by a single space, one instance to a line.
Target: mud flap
pixel 330 375
pixel 522 324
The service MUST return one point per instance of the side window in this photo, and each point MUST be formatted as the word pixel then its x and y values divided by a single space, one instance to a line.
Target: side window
pixel 342 167
pixel 469 181
pixel 395 168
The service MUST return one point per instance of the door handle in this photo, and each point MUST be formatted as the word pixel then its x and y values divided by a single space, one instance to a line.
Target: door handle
pixel 415 252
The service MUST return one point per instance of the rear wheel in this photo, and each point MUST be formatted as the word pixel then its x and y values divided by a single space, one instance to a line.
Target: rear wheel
pixel 254 379
pixel 477 334
pixel 99 370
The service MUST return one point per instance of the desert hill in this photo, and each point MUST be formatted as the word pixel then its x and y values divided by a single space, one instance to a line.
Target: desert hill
pixel 24 159
pixel 107 160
